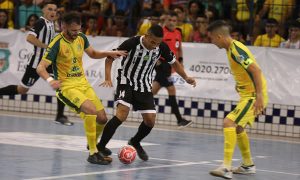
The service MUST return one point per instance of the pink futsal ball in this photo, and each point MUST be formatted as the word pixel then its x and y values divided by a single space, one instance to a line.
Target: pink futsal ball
pixel 127 154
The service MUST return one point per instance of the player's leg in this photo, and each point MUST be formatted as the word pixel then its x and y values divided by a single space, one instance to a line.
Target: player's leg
pixel 155 87
pixel 143 131
pixel 144 103
pixel 247 166
pixel 29 78
pixel 78 101
pixel 229 144
pixel 123 98
pixel 60 117
pixel 174 107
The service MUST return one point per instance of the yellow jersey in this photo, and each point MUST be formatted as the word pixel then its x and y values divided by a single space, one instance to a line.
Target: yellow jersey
pixel 279 9
pixel 243 13
pixel 265 41
pixel 240 59
pixel 66 59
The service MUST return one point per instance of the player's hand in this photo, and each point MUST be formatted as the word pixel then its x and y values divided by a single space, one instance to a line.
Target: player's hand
pixel 55 84
pixel 106 83
pixel 116 54
pixel 191 81
pixel 258 105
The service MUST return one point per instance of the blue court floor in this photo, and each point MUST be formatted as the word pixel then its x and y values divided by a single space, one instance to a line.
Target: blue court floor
pixel 35 148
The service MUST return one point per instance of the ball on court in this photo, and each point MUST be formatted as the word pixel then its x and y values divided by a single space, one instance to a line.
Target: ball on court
pixel 127 154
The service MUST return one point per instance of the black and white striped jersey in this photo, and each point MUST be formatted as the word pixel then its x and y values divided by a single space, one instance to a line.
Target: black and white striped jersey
pixel 137 68
pixel 44 31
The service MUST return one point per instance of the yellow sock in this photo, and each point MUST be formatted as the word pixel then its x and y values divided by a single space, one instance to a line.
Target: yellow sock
pixel 229 145
pixel 90 132
pixel 99 129
pixel 244 146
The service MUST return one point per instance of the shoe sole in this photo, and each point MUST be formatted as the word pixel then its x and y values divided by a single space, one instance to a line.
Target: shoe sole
pixel 57 122
pixel 108 159
pixel 100 163
pixel 216 175
pixel 182 127
pixel 243 173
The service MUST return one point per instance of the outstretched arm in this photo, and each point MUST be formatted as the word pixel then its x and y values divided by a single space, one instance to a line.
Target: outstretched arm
pixel 179 69
pixel 35 41
pixel 108 65
pixel 92 53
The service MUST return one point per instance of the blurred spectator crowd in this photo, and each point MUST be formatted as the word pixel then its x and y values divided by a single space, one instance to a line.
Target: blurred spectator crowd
pixel 269 23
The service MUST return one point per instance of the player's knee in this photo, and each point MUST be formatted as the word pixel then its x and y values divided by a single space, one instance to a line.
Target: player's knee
pixel 22 90
pixel 91 110
pixel 239 129
pixel 228 123
pixel 101 120
pixel 149 123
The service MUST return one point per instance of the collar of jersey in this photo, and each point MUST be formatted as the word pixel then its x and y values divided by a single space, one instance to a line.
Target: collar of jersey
pixel 65 38
pixel 141 41
pixel 47 21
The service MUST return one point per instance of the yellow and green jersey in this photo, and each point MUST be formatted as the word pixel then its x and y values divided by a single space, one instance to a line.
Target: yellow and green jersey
pixel 240 59
pixel 66 59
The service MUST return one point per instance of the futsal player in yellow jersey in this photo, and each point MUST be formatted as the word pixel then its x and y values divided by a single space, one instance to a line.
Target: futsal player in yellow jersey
pixel 65 53
pixel 252 88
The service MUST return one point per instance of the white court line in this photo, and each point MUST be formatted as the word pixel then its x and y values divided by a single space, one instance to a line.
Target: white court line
pixel 261 170
pixel 117 170
pixel 205 163
pixel 172 130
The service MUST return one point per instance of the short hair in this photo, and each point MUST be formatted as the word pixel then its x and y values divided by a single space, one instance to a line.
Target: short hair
pixel 156 30
pixel 46 2
pixel 71 17
pixel 272 21
pixel 217 25
pixel 294 24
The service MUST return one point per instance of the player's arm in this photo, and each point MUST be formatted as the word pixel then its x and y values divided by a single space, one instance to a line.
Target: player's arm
pixel 171 59
pixel 108 64
pixel 42 72
pixel 179 69
pixel 92 53
pixel 35 41
pixel 180 53
pixel 33 32
pixel 256 73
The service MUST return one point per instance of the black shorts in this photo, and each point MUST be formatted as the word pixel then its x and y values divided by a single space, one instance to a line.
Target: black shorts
pixel 163 80
pixel 163 74
pixel 140 101
pixel 31 76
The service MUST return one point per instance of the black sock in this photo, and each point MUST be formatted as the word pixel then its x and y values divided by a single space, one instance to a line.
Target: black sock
pixel 9 90
pixel 175 108
pixel 143 131
pixel 108 131
pixel 60 108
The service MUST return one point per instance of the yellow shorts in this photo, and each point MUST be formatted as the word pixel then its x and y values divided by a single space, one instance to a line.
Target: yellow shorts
pixel 243 114
pixel 75 96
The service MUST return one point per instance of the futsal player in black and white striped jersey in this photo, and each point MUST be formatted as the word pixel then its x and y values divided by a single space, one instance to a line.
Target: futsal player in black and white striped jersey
pixel 134 87
pixel 39 36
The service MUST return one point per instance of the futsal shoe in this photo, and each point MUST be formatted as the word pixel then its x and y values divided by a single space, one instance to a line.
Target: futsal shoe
pixel 97 158
pixel 64 121
pixel 184 123
pixel 139 149
pixel 104 152
pixel 244 169
pixel 222 172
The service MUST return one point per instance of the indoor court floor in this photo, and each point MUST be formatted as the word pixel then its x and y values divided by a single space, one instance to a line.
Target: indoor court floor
pixel 34 148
